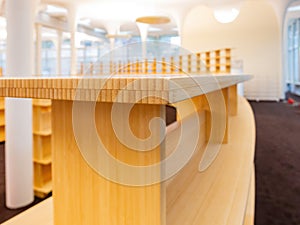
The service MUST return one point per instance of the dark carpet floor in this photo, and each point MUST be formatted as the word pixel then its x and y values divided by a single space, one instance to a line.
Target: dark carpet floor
pixel 277 162
pixel 6 213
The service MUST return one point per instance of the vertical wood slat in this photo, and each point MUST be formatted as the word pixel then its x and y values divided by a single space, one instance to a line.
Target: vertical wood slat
pixel 82 196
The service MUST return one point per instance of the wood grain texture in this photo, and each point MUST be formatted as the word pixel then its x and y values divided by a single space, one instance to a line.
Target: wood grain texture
pixel 224 194
pixel 82 196
pixel 2 119
pixel 161 89
pixel 250 211
pixel 219 194
pixel 233 100
pixel 226 99
pixel 42 154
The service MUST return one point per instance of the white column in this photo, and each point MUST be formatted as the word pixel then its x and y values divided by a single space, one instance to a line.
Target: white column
pixel 18 112
pixel 112 28
pixel 58 52
pixel 143 28
pixel 72 20
pixel 179 14
pixel 38 49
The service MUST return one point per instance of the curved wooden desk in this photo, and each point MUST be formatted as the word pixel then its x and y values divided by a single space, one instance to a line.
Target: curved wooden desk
pixel 219 195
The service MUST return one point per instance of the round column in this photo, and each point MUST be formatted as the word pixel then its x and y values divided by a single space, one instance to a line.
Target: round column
pixel 58 52
pixel 72 22
pixel 18 112
pixel 38 49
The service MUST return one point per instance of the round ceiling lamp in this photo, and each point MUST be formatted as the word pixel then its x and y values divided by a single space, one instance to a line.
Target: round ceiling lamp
pixel 125 36
pixel 226 12
pixel 226 15
pixel 153 19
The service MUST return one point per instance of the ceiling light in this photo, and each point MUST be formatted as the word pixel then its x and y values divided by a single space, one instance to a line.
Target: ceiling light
pixel 226 14
pixel 120 35
pixel 153 19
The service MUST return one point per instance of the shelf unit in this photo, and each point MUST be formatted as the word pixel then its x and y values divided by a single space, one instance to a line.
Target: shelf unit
pixel 2 114
pixel 215 61
pixel 42 147
pixel 2 119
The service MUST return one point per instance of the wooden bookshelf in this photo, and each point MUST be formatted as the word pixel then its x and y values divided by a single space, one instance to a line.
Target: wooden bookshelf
pixel 42 152
pixel 216 61
pixel 2 120
pixel 2 115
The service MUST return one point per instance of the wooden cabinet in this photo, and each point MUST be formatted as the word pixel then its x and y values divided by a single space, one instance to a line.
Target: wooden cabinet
pixel 42 147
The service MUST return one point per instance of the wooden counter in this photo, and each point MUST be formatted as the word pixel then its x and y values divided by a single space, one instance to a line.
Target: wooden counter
pixel 169 87
pixel 82 196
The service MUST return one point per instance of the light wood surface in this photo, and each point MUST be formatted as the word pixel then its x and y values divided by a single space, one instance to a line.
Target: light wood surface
pixel 233 100
pixel 250 211
pixel 219 194
pixel 216 61
pixel 2 118
pixel 224 194
pixel 81 196
pixel 40 214
pixel 42 150
pixel 166 88
pixel 2 114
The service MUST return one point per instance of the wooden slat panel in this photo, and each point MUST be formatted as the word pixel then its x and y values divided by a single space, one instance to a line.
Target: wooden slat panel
pixel 81 196
pixel 211 197
pixel 173 88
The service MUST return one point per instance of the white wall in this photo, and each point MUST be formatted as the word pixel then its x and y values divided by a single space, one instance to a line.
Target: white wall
pixel 255 36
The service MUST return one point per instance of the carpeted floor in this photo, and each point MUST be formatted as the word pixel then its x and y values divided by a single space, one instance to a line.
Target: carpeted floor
pixel 277 166
pixel 277 163
pixel 6 213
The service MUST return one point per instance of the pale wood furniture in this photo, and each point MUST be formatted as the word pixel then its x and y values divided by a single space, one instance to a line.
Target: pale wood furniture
pixel 42 156
pixel 219 195
pixel 2 119
pixel 42 214
pixel 215 61
pixel 2 115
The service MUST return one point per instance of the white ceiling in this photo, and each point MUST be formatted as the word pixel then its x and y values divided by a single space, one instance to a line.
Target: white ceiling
pixel 113 13
pixel 106 14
